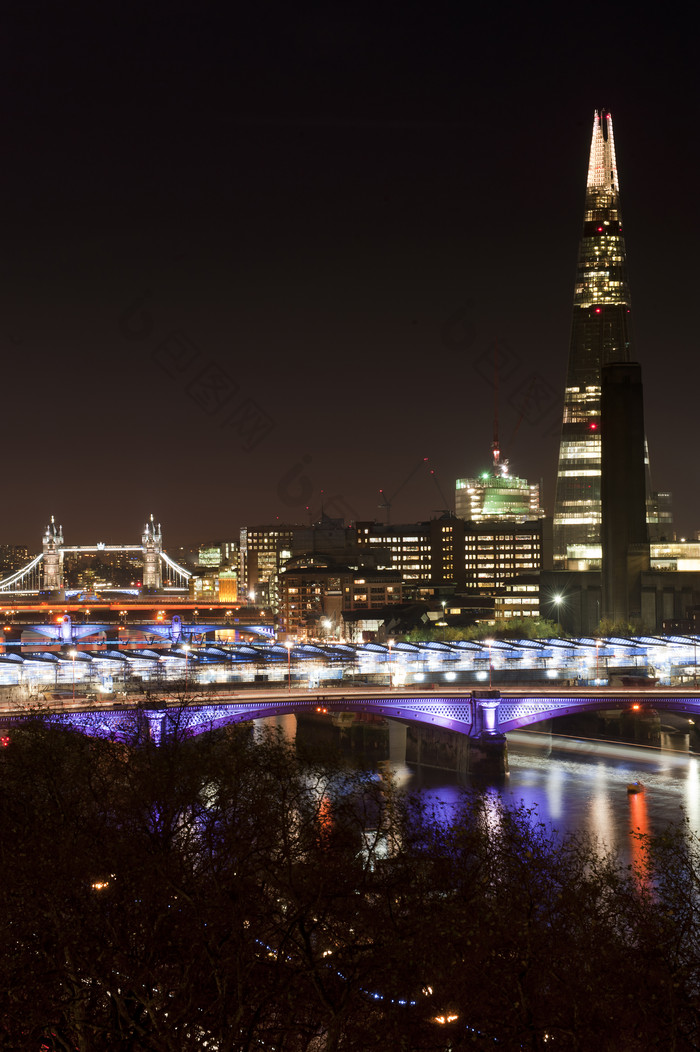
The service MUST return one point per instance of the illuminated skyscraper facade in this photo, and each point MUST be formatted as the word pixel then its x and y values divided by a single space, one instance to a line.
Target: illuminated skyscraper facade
pixel 600 334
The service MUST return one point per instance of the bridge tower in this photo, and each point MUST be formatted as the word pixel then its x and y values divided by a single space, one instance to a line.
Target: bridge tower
pixel 52 580
pixel 152 541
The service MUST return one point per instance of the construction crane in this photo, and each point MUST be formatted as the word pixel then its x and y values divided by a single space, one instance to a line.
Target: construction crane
pixel 387 501
pixel 500 467
pixel 445 509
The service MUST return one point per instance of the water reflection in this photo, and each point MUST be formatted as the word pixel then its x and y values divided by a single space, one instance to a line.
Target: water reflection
pixel 602 823
pixel 639 824
pixel 573 785
pixel 578 785
pixel 692 803
pixel 595 799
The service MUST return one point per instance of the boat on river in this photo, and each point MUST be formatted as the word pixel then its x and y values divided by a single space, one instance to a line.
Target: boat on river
pixel 635 787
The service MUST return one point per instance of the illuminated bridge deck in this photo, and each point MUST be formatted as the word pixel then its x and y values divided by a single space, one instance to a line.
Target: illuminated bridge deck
pixel 463 711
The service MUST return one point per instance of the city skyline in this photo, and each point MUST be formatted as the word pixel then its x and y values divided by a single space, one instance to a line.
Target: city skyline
pixel 248 273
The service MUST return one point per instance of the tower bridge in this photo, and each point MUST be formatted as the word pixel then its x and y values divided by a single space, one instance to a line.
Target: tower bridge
pixel 44 572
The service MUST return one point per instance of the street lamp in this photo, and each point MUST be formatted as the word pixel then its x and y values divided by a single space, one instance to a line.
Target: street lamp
pixel 597 662
pixel 390 643
pixel 289 666
pixel 73 654
pixel 444 623
pixel 186 648
pixel 489 643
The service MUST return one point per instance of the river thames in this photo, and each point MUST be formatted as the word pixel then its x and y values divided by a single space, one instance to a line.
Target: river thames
pixel 574 785
pixel 578 785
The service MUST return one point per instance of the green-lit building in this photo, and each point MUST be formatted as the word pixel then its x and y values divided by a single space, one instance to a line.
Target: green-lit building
pixel 496 494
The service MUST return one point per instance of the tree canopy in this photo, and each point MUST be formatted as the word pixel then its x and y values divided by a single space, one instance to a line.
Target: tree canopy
pixel 510 628
pixel 226 893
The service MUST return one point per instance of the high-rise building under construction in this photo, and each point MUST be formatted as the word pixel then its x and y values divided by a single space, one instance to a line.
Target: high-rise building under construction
pixel 600 334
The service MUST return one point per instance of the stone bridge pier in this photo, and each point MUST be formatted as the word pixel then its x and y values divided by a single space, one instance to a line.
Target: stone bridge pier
pixel 488 748
pixel 480 751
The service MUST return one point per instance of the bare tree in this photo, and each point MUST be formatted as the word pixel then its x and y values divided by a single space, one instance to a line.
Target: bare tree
pixel 223 892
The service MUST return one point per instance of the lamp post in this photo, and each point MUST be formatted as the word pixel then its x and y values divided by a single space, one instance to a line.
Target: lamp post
pixel 489 643
pixel 597 661
pixel 289 666
pixel 186 648
pixel 390 643
pixel 72 654
pixel 443 603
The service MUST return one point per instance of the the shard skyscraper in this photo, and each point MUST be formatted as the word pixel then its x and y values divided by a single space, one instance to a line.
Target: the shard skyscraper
pixel 600 333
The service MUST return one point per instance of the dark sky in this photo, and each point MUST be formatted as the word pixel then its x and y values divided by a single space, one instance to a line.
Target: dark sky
pixel 257 258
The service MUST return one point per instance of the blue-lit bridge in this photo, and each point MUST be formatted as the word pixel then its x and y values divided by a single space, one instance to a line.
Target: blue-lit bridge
pixel 478 714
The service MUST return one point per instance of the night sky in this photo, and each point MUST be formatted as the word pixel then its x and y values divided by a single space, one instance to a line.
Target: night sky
pixel 257 259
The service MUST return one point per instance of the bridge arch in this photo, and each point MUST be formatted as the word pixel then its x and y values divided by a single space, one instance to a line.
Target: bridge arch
pixel 473 714
pixel 516 713
pixel 120 722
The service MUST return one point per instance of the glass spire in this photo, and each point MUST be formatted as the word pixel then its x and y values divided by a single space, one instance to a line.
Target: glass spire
pixel 600 333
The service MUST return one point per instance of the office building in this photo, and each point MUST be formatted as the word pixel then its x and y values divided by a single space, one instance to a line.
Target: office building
pixel 450 554
pixel 265 549
pixel 315 591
